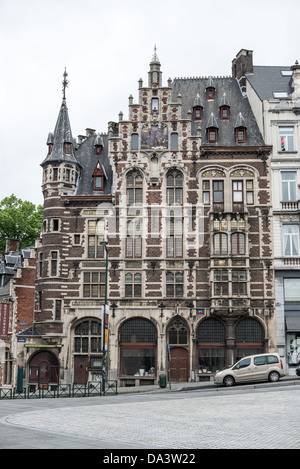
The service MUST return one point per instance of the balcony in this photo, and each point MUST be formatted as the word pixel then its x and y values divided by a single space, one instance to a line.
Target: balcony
pixel 283 263
pixel 290 205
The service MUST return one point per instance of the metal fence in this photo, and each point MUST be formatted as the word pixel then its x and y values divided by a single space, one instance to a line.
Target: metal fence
pixel 33 391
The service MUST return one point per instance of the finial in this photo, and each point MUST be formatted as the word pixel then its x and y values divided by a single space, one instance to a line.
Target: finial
pixel 65 84
pixel 155 58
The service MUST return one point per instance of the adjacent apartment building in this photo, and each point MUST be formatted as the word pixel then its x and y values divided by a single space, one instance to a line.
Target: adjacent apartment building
pixel 274 95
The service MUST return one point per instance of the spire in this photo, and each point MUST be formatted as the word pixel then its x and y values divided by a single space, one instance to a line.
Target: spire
pixel 155 58
pixel 65 83
pixel 155 74
pixel 61 141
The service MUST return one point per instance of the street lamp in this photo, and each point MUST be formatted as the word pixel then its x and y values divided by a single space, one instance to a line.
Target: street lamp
pixel 104 326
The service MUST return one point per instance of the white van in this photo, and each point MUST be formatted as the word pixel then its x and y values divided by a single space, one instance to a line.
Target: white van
pixel 262 367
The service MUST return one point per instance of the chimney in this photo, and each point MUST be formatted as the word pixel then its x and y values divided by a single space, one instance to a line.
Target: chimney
pixel 242 64
pixel 11 245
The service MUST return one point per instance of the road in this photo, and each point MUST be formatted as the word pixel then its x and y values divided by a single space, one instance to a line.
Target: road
pixel 243 417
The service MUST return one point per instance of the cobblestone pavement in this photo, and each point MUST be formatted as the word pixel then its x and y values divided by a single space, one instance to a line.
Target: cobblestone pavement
pixel 240 418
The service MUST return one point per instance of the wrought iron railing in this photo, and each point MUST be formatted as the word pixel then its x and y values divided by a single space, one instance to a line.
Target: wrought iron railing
pixel 33 391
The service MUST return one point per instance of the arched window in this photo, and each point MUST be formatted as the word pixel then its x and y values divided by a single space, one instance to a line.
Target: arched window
pixel 220 244
pixel 211 345
pixel 174 141
pixel 134 188
pixel 87 349
pixel 174 187
pixel 249 338
pixel 134 142
pixel 238 244
pixel 137 348
pixel 133 284
pixel 178 333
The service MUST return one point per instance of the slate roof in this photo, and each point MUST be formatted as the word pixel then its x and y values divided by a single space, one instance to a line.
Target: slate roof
pixel 62 134
pixel 240 108
pixel 31 331
pixel 88 160
pixel 268 79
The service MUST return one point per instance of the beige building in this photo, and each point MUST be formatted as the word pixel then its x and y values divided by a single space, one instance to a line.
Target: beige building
pixel 274 95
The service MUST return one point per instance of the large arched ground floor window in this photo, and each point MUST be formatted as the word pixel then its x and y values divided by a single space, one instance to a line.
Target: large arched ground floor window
pixel 137 348
pixel 249 337
pixel 212 345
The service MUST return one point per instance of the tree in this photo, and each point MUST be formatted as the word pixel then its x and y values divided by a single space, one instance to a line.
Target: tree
pixel 20 220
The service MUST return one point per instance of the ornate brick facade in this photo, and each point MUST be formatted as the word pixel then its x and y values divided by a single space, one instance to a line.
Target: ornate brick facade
pixel 181 192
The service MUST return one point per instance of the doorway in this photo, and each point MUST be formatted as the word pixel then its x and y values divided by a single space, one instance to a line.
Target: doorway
pixel 179 364
pixel 43 369
pixel 81 369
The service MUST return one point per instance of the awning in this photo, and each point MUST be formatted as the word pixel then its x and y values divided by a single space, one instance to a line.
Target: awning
pixel 292 321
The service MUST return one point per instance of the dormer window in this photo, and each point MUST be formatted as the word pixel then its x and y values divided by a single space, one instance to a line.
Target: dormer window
pixel 240 130
pixel 68 148
pixel 210 93
pixel 98 178
pixel 240 134
pixel 98 150
pixel 224 112
pixel 198 113
pixel 212 135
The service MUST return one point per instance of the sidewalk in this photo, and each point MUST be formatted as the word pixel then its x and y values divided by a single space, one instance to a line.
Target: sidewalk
pixel 189 386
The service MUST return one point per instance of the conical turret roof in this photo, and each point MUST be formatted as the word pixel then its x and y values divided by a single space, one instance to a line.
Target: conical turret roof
pixel 61 136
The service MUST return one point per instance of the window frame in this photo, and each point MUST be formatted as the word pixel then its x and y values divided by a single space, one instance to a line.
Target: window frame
pixel 291 186
pixel 174 288
pixel 288 240
pixel 212 135
pixel 93 284
pixel 286 139
pixel 198 109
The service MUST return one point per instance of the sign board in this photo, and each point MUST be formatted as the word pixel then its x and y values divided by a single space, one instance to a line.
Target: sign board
pixel 4 320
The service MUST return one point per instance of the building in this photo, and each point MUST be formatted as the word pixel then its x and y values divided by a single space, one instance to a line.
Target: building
pixel 17 287
pixel 180 190
pixel 274 95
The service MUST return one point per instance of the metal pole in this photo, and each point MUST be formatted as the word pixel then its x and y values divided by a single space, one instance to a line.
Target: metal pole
pixel 104 244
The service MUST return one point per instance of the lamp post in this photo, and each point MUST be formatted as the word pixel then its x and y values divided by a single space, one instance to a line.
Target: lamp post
pixel 104 326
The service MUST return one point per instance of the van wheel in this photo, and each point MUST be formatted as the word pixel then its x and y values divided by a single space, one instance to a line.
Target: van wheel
pixel 274 376
pixel 228 381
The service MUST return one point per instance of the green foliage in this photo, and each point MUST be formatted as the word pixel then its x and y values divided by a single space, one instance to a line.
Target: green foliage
pixel 20 220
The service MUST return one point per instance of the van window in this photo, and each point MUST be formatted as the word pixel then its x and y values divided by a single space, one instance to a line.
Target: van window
pixel 272 359
pixel 243 364
pixel 259 361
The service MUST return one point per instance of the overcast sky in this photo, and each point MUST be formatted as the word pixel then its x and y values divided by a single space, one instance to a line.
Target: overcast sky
pixel 106 47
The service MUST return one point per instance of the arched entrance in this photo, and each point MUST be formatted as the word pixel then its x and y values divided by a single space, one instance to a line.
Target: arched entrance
pixel 179 357
pixel 43 369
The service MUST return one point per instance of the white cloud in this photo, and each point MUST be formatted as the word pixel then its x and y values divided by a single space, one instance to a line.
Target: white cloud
pixel 107 47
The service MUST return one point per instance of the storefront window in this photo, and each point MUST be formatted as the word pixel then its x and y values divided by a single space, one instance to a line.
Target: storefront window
pixel 138 348
pixel 293 348
pixel 211 346
pixel 249 338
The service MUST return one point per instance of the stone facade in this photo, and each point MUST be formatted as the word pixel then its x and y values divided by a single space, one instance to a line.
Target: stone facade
pixel 180 190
